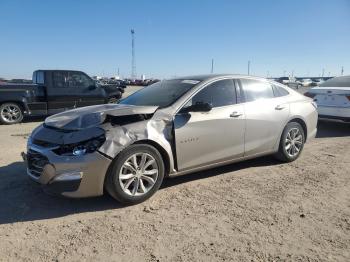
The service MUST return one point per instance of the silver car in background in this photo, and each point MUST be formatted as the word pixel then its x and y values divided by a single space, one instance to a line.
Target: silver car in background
pixel 170 128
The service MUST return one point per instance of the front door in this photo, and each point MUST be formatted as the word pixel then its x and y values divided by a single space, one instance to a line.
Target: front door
pixel 203 138
pixel 60 95
pixel 87 92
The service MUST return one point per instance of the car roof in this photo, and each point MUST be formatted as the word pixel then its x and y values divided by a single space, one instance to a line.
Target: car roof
pixel 57 70
pixel 213 76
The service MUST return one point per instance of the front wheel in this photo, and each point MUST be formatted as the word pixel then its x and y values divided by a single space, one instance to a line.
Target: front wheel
pixel 10 113
pixel 136 174
pixel 291 143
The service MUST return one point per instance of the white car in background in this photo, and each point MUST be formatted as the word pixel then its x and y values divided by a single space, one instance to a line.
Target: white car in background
pixel 289 81
pixel 306 82
pixel 318 82
pixel 332 98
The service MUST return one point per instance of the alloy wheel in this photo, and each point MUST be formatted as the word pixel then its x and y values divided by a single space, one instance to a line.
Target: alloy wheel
pixel 294 142
pixel 11 113
pixel 138 174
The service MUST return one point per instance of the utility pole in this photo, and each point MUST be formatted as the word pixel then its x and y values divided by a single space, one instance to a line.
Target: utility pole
pixel 118 71
pixel 322 72
pixel 212 65
pixel 342 70
pixel 133 61
pixel 248 67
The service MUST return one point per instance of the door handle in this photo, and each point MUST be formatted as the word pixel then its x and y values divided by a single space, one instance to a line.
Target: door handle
pixel 279 107
pixel 235 114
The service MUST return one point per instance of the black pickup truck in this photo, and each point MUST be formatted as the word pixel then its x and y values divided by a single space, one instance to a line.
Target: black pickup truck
pixel 51 92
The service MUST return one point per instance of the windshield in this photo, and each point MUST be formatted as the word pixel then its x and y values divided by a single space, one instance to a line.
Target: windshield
pixel 341 81
pixel 161 94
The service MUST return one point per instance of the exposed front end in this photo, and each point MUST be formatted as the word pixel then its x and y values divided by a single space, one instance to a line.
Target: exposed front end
pixel 71 152
pixel 65 169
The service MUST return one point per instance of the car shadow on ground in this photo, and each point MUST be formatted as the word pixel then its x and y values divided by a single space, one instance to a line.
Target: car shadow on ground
pixel 332 129
pixel 257 162
pixel 23 200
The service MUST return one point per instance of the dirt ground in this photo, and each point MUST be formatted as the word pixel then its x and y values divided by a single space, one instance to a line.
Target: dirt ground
pixel 258 210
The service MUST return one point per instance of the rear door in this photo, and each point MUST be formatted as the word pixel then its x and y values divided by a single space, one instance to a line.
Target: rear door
pixel 266 115
pixel 203 138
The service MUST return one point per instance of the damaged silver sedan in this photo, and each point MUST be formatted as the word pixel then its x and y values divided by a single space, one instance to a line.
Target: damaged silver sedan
pixel 170 128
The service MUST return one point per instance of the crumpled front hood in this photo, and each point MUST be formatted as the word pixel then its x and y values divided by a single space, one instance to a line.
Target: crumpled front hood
pixel 92 116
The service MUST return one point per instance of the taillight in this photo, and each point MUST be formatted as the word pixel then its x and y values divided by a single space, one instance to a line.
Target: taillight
pixel 348 97
pixel 309 95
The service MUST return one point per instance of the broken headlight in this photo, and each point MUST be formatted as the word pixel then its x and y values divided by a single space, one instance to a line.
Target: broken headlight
pixel 81 148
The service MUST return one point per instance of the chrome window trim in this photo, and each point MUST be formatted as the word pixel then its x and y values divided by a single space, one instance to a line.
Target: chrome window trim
pixel 200 88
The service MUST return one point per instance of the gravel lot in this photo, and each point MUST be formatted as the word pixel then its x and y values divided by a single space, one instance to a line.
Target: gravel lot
pixel 257 210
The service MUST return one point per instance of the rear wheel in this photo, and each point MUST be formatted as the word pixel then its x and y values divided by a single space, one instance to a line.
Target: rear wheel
pixel 291 143
pixel 10 113
pixel 136 174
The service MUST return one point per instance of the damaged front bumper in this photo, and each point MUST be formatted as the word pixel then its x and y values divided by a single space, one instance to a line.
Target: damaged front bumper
pixel 71 152
pixel 70 176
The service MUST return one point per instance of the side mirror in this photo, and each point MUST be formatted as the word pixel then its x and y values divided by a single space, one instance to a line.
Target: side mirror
pixel 199 107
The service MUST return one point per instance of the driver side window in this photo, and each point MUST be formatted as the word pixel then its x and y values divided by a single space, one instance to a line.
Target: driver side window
pixel 78 80
pixel 64 79
pixel 217 94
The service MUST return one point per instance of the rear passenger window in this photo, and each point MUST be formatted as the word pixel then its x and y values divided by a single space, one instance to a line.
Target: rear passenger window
pixel 220 93
pixel 279 91
pixel 255 89
pixel 60 79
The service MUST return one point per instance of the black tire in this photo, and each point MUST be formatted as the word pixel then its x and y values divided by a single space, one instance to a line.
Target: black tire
pixel 112 100
pixel 5 114
pixel 282 153
pixel 112 184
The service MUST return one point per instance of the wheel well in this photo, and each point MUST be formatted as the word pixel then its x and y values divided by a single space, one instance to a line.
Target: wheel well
pixel 161 150
pixel 303 125
pixel 19 103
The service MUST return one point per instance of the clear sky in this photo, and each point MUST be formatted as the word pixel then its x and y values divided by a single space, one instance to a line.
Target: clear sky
pixel 175 37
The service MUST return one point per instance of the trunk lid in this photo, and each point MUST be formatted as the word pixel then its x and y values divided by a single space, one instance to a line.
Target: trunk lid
pixel 331 96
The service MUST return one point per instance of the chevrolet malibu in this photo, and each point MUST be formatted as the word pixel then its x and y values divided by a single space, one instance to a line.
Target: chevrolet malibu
pixel 170 128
